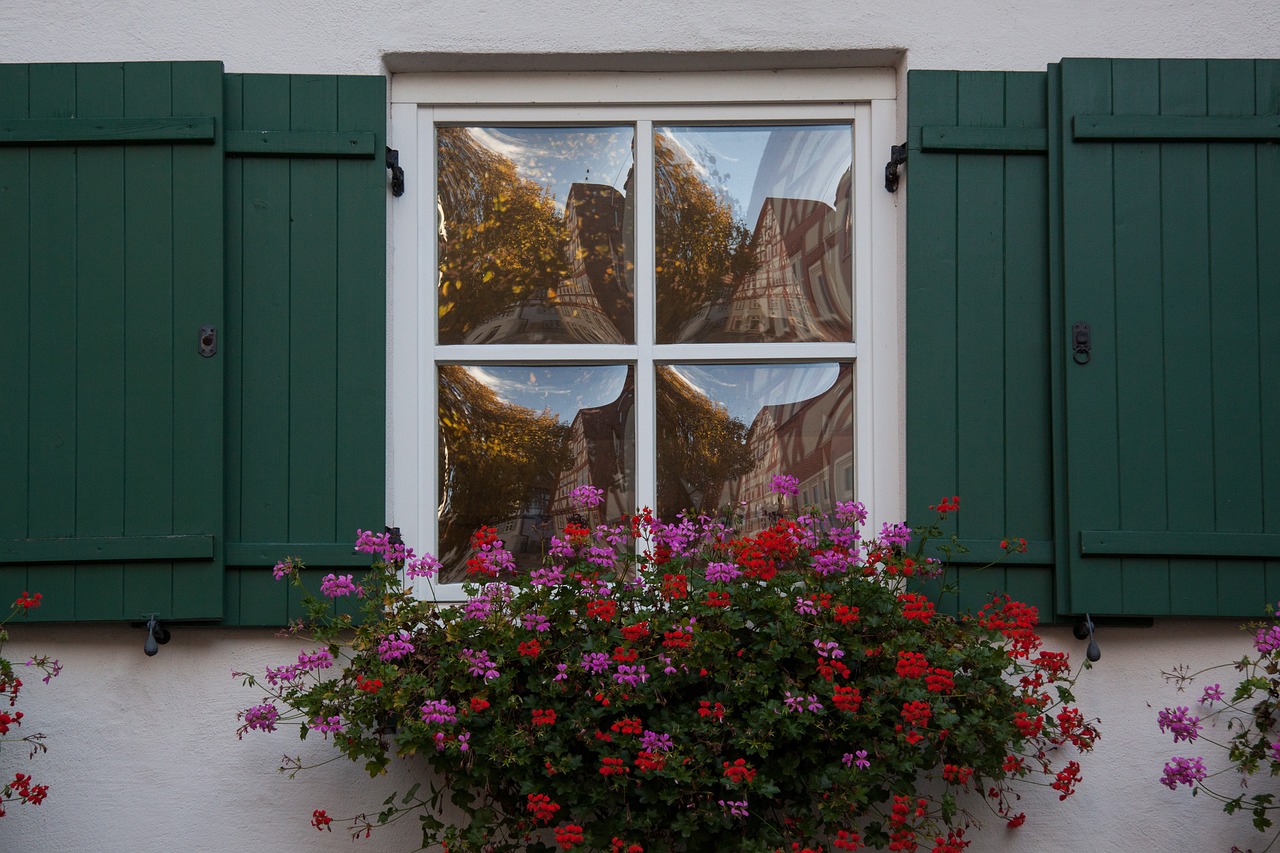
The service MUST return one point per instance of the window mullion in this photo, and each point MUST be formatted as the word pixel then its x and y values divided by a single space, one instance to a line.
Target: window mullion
pixel 646 394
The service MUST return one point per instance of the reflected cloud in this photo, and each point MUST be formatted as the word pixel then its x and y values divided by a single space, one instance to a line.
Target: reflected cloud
pixel 561 390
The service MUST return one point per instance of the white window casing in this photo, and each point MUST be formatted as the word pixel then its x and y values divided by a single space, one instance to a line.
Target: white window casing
pixel 863 97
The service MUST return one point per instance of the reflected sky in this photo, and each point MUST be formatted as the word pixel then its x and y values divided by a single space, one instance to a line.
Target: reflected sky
pixel 749 164
pixel 745 389
pixel 563 390
pixel 558 157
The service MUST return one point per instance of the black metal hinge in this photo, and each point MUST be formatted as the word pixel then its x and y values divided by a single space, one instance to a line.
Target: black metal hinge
pixel 897 157
pixel 397 173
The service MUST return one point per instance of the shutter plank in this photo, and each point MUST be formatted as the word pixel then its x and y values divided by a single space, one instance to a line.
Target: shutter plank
pixel 1234 345
pixel 15 235
pixel 198 301
pixel 1139 350
pixel 1267 225
pixel 150 356
pixel 100 298
pixel 313 318
pixel 52 380
pixel 1189 420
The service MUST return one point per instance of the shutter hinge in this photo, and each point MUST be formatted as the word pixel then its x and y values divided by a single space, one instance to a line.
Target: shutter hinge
pixel 897 157
pixel 397 173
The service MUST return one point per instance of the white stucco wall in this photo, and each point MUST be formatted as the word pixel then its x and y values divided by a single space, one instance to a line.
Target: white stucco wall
pixel 143 754
pixel 321 36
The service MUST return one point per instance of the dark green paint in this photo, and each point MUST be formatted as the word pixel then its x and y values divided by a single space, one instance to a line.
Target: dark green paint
pixel 131 453
pixel 301 143
pixel 106 130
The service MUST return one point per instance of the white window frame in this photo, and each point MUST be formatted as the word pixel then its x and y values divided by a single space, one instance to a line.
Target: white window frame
pixel 864 96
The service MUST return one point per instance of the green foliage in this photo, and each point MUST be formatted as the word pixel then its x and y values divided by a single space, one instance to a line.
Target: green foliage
pixel 683 687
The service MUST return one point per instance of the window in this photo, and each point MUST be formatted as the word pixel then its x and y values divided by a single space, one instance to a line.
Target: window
pixel 672 296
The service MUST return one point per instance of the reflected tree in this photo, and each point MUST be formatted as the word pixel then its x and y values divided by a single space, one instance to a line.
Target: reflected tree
pixel 497 460
pixel 503 238
pixel 701 447
pixel 703 252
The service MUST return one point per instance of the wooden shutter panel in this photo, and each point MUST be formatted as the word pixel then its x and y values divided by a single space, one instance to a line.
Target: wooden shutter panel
pixel 1170 200
pixel 978 388
pixel 110 265
pixel 306 295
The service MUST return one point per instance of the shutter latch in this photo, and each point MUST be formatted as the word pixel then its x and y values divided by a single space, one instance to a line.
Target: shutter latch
pixel 897 157
pixel 397 173
pixel 208 341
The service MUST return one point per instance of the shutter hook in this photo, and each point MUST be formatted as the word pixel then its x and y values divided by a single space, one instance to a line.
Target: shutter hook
pixel 156 634
pixel 1085 629
pixel 897 157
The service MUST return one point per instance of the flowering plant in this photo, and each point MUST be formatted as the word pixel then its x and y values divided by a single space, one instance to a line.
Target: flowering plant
pixel 21 788
pixel 685 686
pixel 1244 722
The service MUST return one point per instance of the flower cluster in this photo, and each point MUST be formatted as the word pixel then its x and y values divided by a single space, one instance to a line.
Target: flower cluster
pixel 709 674
pixel 21 788
pixel 1240 724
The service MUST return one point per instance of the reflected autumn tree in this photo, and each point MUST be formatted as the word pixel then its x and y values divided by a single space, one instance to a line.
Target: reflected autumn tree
pixel 702 251
pixel 504 240
pixel 497 460
pixel 701 447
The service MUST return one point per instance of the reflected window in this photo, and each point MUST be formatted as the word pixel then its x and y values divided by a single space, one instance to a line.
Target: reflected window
pixel 726 430
pixel 515 441
pixel 535 234
pixel 743 216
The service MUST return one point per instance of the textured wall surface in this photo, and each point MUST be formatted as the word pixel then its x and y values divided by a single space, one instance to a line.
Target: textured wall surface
pixel 318 36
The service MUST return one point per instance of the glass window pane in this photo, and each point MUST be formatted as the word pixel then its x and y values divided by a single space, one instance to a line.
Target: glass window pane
pixel 754 238
pixel 535 234
pixel 516 440
pixel 725 430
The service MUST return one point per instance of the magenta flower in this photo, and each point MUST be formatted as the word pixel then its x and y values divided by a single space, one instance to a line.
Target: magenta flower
pixel 587 496
pixel 260 718
pixel 895 534
pixel 421 567
pixel 479 664
pixel 337 586
pixel 805 607
pixel 439 712
pixel 394 647
pixel 535 622
pixel 1267 640
pixel 282 569
pixel 737 808
pixel 1180 723
pixel 722 572
pixel 632 676
pixel 325 725
pixel 1182 771
pixel 785 484
pixel 862 761
pixel 1212 693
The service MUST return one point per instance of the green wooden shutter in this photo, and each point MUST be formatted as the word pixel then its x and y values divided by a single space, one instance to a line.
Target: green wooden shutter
pixel 306 296
pixel 110 265
pixel 1170 211
pixel 978 385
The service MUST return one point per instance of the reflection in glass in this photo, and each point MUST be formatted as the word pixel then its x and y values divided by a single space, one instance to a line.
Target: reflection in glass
pixel 725 430
pixel 515 441
pixel 753 234
pixel 534 235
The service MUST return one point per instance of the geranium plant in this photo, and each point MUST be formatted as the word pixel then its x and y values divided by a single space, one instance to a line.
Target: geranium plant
pixel 21 788
pixel 1240 724
pixel 685 686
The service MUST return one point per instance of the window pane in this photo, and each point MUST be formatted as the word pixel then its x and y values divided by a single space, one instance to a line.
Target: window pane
pixel 725 430
pixel 515 441
pixel 753 234
pixel 535 234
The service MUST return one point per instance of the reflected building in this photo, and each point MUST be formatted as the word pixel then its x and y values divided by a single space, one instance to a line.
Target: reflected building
pixel 601 450
pixel 594 303
pixel 811 440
